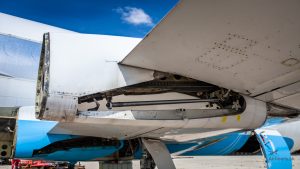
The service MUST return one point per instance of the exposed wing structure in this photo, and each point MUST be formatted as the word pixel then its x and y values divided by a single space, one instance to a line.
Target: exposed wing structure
pixel 252 47
pixel 175 125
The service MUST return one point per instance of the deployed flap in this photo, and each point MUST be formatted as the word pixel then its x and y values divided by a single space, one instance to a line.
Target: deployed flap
pixel 274 148
pixel 249 46
pixel 133 123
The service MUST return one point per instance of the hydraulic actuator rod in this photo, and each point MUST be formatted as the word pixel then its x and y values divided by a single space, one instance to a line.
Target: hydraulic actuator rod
pixel 158 102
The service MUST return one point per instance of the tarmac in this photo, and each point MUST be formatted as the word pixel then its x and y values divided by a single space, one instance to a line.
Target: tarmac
pixel 213 162
pixel 207 162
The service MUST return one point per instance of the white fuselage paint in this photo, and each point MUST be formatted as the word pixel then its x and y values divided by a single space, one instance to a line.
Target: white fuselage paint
pixel 26 29
pixel 16 92
pixel 289 129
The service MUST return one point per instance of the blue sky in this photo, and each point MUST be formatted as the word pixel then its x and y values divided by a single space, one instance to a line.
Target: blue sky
pixel 133 18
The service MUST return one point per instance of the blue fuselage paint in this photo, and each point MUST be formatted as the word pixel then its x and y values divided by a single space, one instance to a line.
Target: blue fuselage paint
pixel 275 149
pixel 219 145
pixel 33 135
pixel 289 142
pixel 275 121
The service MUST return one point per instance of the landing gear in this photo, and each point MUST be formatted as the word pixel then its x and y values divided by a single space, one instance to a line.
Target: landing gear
pixel 147 161
pixel 71 165
pixel 156 153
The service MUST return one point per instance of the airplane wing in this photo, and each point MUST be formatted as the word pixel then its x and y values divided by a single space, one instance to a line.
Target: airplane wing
pixel 250 47
pixel 254 53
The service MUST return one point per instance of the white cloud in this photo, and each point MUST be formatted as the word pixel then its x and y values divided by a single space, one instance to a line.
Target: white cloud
pixel 135 16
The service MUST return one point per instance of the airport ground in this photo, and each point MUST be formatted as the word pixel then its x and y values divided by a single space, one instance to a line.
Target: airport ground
pixel 223 162
pixel 211 162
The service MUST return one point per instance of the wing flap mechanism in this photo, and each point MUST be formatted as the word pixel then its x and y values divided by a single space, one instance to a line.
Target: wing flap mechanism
pixel 81 85
pixel 126 124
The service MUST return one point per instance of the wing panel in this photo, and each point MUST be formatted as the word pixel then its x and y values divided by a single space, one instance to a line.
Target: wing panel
pixel 249 46
pixel 288 96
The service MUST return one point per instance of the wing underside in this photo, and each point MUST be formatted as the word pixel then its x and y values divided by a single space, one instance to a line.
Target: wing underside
pixel 252 47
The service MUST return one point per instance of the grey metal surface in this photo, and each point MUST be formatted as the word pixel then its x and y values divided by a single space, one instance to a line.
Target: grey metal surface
pixel 288 95
pixel 158 102
pixel 248 46
pixel 178 114
pixel 8 112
